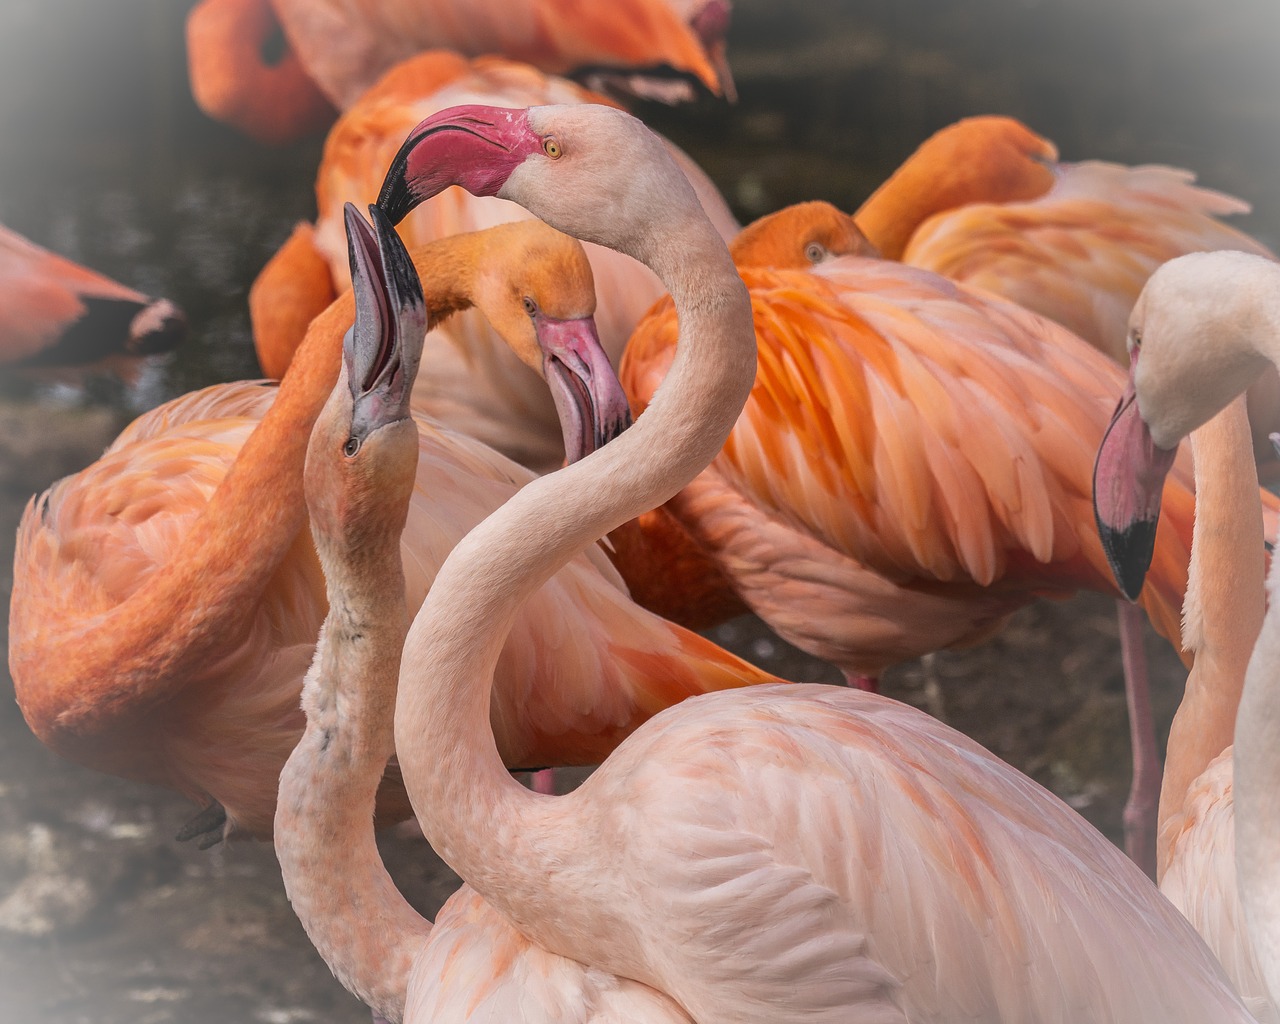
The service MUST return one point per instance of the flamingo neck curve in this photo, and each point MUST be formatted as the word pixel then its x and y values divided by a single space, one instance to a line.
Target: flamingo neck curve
pixel 507 842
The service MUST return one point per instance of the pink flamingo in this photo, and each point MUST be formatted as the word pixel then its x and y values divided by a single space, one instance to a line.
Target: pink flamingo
pixel 360 471
pixel 54 312
pixel 805 853
pixel 1201 332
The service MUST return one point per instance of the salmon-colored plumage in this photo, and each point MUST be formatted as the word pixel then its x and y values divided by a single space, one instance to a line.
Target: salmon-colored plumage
pixel 986 202
pixel 346 44
pixel 54 312
pixel 793 854
pixel 231 81
pixel 333 50
pixel 476 385
pixel 913 465
pixel 166 599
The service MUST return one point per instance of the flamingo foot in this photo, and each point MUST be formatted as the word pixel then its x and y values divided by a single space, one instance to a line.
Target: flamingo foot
pixel 1144 793
pixel 871 684
pixel 208 827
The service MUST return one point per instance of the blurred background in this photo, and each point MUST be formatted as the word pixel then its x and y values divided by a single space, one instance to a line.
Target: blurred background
pixel 105 159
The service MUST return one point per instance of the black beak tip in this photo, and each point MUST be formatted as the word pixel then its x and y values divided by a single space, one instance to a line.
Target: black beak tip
pixel 1129 554
pixel 395 199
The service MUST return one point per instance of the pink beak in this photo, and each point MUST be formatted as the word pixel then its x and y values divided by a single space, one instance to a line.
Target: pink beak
pixel 1128 482
pixel 589 400
pixel 474 146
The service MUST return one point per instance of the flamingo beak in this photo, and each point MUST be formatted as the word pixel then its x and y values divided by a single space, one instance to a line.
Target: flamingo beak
pixel 1128 481
pixel 589 400
pixel 472 145
pixel 384 346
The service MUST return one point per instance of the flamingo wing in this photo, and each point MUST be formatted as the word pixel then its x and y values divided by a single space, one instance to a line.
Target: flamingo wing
pixel 55 312
pixel 1081 253
pixel 927 432
pixel 883 867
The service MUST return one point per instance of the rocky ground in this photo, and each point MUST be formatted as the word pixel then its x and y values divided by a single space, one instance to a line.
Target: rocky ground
pixel 105 919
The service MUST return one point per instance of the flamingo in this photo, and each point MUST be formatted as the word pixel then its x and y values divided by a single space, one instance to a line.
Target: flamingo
pixel 54 312
pixel 786 853
pixel 166 599
pixel 336 49
pixel 1202 331
pixel 272 102
pixel 986 202
pixel 359 479
pixel 476 384
pixel 913 465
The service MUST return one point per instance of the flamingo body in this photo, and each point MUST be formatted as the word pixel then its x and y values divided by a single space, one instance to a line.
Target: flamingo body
pixel 54 312
pixel 346 44
pixel 1080 253
pixel 175 582
pixel 912 466
pixel 477 385
pixel 740 852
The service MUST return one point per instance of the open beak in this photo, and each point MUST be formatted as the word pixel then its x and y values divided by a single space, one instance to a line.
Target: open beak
pixel 383 347
pixel 471 145
pixel 1128 481
pixel 589 400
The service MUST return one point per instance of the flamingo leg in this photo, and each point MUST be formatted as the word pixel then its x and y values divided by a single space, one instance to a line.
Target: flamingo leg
pixel 1140 808
pixel 543 781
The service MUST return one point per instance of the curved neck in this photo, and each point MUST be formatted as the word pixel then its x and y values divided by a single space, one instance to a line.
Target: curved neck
pixel 937 177
pixel 495 834
pixel 211 585
pixel 274 103
pixel 334 876
pixel 1223 611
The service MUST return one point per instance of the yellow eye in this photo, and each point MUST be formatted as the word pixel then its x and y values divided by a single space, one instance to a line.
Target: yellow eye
pixel 551 148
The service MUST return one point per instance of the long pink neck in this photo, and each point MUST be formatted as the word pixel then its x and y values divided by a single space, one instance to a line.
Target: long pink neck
pixel 1224 606
pixel 349 906
pixel 498 836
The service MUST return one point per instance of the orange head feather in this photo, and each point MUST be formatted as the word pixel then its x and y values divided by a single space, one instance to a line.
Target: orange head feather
pixel 977 160
pixel 799 236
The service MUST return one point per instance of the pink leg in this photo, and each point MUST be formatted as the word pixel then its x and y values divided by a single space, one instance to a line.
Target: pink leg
pixel 869 683
pixel 543 781
pixel 1144 793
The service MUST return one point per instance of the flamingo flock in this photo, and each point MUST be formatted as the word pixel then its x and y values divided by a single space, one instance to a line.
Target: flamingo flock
pixel 538 408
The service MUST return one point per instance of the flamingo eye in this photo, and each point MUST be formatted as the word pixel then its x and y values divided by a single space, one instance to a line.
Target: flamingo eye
pixel 530 306
pixel 551 148
pixel 351 447
pixel 814 253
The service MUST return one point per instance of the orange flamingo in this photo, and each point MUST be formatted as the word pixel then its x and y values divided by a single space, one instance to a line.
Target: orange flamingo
pixel 805 853
pixel 333 50
pixel 54 312
pixel 986 202
pixel 476 384
pixel 1135 216
pixel 273 102
pixel 471 965
pixel 1202 330
pixel 166 600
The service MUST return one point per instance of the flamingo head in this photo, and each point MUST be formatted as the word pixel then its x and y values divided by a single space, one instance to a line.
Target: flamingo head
pixel 593 172
pixel 362 455
pixel 537 291
pixel 800 236
pixel 1128 481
